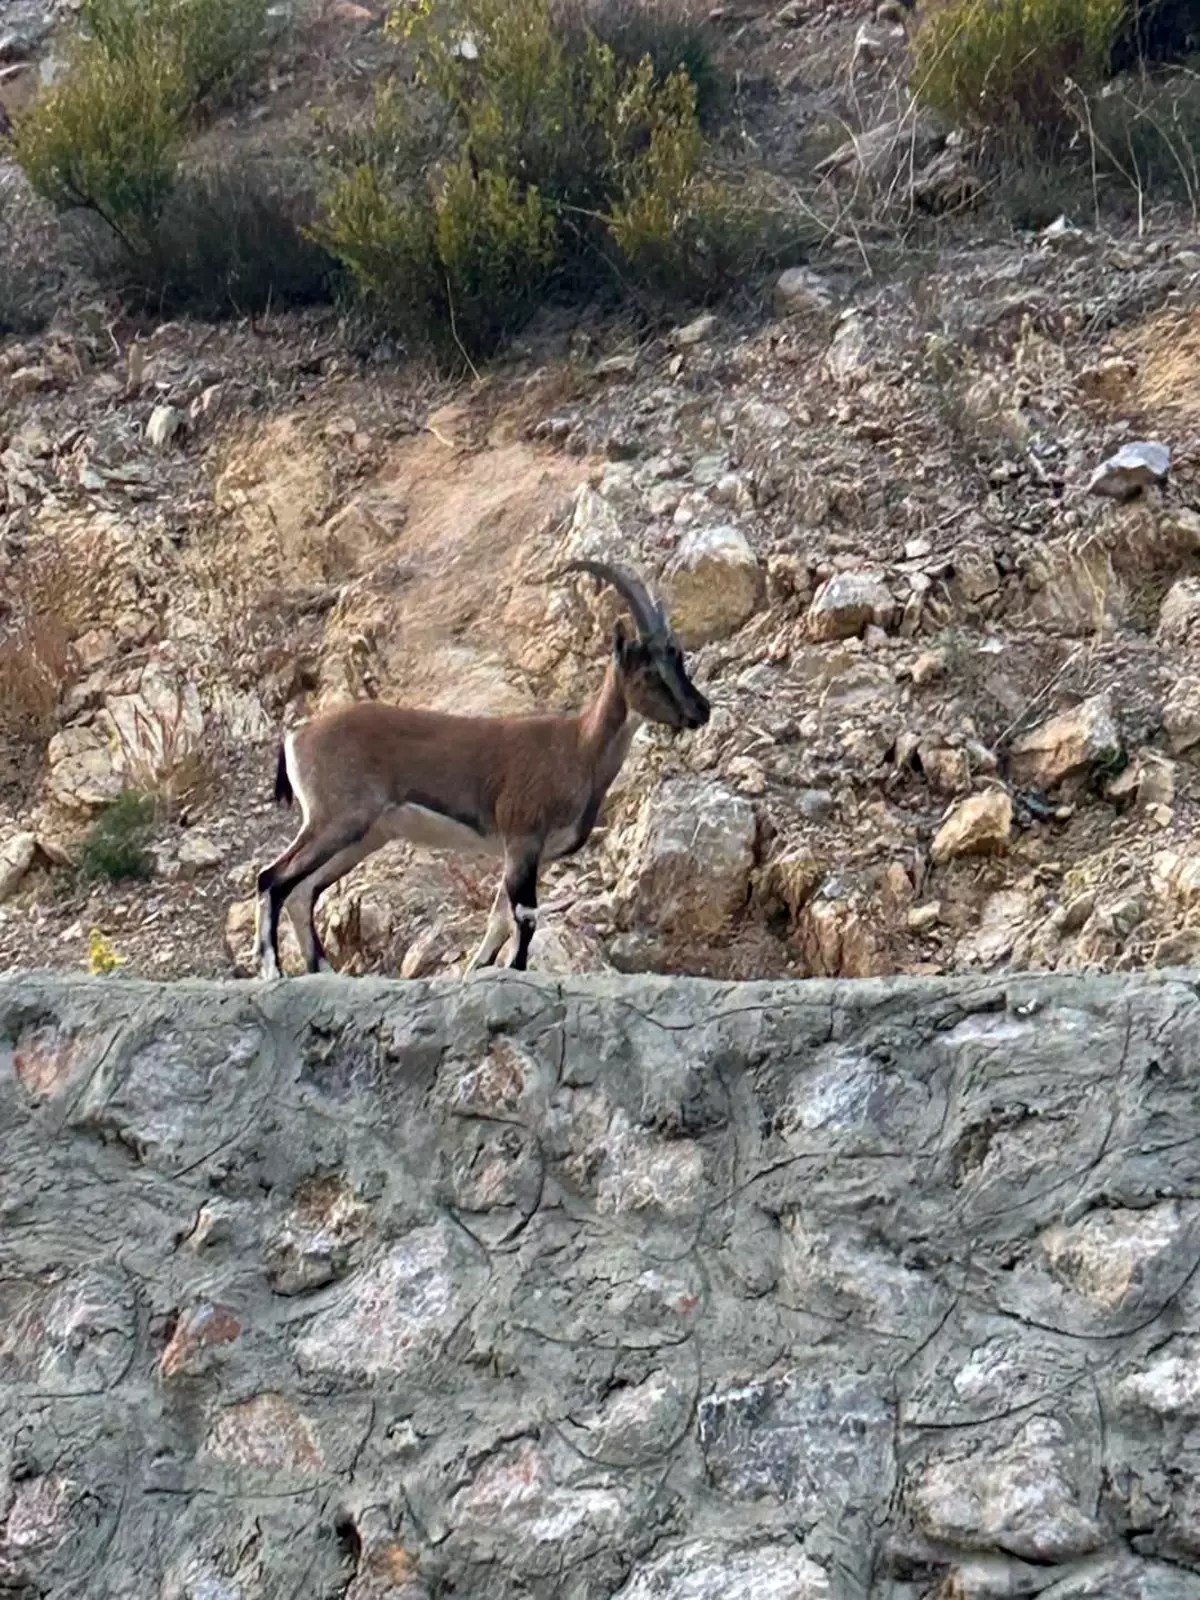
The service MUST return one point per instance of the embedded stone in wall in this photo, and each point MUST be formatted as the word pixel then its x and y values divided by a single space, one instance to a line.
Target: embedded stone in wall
pixel 396 1314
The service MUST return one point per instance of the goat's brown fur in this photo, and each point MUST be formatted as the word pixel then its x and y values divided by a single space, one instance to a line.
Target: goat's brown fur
pixel 528 787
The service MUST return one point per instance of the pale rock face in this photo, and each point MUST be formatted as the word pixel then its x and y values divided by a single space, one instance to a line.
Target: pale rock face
pixel 1067 745
pixel 849 602
pixel 979 825
pixel 1179 616
pixel 165 422
pixel 714 586
pixel 397 1312
pixel 83 772
pixel 1135 466
pixel 702 1569
pixel 17 855
pixel 690 857
pixel 1181 714
pixel 800 289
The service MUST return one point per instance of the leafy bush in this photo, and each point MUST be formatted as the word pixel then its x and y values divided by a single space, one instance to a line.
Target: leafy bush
pixel 108 136
pixel 673 33
pixel 114 847
pixel 464 261
pixel 1005 65
pixel 215 43
pixel 534 159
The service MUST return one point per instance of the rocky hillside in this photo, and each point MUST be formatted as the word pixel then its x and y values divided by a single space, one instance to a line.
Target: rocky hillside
pixel 953 657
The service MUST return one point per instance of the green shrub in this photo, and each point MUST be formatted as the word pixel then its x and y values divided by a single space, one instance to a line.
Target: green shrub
pixel 672 33
pixel 1005 65
pixel 215 43
pixel 531 162
pixel 107 138
pixel 461 263
pixel 115 845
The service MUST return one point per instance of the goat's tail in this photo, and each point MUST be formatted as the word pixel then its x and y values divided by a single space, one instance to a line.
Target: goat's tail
pixel 283 784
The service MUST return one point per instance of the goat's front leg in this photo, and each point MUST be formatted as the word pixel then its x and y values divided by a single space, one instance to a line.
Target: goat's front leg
pixel 522 861
pixel 498 929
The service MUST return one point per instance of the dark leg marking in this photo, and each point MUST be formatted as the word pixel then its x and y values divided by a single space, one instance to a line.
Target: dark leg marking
pixel 521 882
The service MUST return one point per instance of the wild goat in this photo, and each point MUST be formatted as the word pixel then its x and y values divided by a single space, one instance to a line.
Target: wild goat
pixel 528 788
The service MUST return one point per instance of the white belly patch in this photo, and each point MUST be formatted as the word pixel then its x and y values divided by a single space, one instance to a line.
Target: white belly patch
pixel 433 831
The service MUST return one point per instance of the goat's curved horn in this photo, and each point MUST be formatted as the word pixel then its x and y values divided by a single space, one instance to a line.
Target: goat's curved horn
pixel 650 617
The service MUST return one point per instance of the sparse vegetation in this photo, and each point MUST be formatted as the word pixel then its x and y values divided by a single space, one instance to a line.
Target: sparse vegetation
pixel 1006 67
pixel 44 601
pixel 214 44
pixel 672 33
pixel 226 240
pixel 108 140
pixel 1144 133
pixel 167 756
pixel 28 277
pixel 560 168
pixel 114 847
pixel 102 957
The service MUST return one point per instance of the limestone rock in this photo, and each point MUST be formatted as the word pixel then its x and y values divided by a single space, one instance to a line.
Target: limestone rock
pixel 848 358
pixel 979 825
pixel 847 603
pixel 1181 714
pixel 197 853
pixel 696 331
pixel 84 772
pixel 1067 745
pixel 714 586
pixel 800 289
pixel 838 939
pixel 690 858
pixel 1179 616
pixel 17 855
pixel 789 882
pixel 707 1569
pixel 1135 466
pixel 165 422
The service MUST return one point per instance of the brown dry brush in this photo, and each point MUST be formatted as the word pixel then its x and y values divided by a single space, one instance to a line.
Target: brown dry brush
pixel 47 597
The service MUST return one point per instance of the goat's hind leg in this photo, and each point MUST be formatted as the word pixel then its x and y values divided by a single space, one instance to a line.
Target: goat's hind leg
pixel 302 902
pixel 313 849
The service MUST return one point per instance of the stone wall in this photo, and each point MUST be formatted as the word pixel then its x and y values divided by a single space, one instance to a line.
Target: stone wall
pixel 644 1288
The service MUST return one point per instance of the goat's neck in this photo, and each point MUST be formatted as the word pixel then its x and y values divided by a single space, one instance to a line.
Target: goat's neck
pixel 606 727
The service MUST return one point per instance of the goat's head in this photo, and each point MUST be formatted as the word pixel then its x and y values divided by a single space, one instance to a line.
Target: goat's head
pixel 653 673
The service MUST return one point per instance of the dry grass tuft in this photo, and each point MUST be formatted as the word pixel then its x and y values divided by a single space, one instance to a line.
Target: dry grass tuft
pixel 48 598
